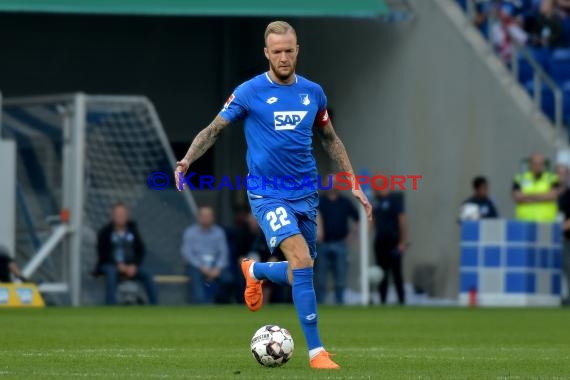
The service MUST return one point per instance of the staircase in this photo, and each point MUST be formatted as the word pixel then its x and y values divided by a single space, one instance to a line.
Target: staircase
pixel 526 69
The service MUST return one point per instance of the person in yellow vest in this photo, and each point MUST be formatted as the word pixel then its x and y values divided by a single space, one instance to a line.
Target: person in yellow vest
pixel 535 192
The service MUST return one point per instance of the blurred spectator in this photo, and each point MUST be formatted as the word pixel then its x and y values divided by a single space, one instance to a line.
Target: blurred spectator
pixel 529 12
pixel 564 12
pixel 535 192
pixel 335 211
pixel 562 172
pixel 523 14
pixel 120 252
pixel 480 203
pixel 564 205
pixel 205 250
pixel 506 32
pixel 483 10
pixel 9 268
pixel 251 243
pixel 391 240
pixel 547 29
pixel 232 288
pixel 564 5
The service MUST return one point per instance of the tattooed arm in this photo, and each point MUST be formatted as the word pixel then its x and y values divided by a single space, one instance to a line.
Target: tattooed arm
pixel 335 148
pixel 337 152
pixel 202 142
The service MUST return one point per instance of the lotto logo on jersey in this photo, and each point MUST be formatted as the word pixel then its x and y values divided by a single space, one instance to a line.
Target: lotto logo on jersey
pixel 285 120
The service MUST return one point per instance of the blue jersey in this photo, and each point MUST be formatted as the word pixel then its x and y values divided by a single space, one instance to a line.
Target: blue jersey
pixel 278 122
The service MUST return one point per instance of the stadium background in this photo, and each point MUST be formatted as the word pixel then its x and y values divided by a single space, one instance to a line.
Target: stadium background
pixel 413 88
pixel 417 95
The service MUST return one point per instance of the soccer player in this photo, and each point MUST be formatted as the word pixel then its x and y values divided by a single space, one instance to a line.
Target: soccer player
pixel 281 109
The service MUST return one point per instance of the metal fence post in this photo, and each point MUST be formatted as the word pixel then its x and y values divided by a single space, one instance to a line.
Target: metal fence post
pixel 76 206
pixel 558 113
pixel 515 64
pixel 0 114
pixel 364 252
pixel 536 85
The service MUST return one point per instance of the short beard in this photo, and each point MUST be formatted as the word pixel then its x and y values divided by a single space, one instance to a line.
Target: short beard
pixel 283 78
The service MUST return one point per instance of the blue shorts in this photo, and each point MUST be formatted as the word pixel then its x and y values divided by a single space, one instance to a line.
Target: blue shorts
pixel 282 218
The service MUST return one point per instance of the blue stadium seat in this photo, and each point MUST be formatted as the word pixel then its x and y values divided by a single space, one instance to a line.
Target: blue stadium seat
pixel 526 72
pixel 547 99
pixel 559 66
pixel 566 31
pixel 542 56
pixel 566 107
pixel 462 4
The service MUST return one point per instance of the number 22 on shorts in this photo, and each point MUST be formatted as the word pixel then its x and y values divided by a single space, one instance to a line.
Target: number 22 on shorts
pixel 278 215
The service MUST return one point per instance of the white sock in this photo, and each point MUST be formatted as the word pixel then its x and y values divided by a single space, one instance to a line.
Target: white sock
pixel 315 351
pixel 251 272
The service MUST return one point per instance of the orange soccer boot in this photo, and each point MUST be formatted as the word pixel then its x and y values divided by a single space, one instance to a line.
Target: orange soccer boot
pixel 323 361
pixel 253 293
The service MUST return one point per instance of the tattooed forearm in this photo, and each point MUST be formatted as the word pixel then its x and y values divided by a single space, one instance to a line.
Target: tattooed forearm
pixel 205 139
pixel 335 149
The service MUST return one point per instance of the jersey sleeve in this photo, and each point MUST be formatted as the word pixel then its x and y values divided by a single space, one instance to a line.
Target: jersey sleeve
pixel 322 117
pixel 236 107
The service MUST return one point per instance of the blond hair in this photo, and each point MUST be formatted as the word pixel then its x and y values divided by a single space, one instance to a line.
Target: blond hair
pixel 278 27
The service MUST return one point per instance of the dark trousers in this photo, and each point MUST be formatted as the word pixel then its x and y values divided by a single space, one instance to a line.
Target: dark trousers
pixel 112 278
pixel 332 257
pixel 389 258
pixel 566 269
pixel 203 291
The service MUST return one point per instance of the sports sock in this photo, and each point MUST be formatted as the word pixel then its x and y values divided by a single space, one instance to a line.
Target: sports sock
pixel 306 305
pixel 315 351
pixel 274 271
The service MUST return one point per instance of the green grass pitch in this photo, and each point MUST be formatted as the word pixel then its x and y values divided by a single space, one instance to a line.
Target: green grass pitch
pixel 213 343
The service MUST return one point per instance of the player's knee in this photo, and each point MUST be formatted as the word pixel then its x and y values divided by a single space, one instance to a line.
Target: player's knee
pixel 297 252
pixel 300 261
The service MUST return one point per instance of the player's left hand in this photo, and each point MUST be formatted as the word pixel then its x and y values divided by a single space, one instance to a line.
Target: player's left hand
pixel 363 199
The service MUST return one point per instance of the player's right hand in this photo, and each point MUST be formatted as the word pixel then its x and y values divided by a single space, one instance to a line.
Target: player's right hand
pixel 181 169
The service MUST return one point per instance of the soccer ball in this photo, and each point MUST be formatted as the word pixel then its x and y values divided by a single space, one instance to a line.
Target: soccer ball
pixel 375 275
pixel 469 211
pixel 272 346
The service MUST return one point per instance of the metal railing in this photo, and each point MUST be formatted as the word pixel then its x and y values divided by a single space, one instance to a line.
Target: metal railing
pixel 67 236
pixel 540 77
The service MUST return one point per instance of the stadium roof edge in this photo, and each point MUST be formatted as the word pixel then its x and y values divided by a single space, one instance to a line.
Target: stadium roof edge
pixel 256 8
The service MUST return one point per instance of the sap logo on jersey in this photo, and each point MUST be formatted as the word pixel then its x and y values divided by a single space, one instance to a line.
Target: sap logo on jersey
pixel 288 119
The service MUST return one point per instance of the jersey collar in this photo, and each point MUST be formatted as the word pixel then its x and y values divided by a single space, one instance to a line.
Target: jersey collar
pixel 270 81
